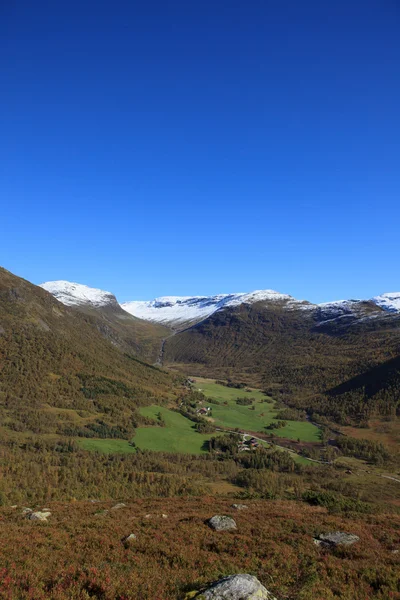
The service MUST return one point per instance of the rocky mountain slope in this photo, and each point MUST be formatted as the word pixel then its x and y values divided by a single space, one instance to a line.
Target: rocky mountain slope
pixel 124 330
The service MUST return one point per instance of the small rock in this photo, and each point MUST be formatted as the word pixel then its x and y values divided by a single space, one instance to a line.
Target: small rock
pixel 14 506
pixel 129 539
pixel 164 516
pixel 239 506
pixel 45 510
pixel 117 506
pixel 395 551
pixel 236 587
pixel 147 516
pixel 26 510
pixel 336 538
pixel 38 515
pixel 221 523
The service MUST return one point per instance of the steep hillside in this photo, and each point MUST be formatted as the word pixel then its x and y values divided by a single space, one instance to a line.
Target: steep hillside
pixel 298 354
pixel 60 375
pixel 131 334
pixel 380 384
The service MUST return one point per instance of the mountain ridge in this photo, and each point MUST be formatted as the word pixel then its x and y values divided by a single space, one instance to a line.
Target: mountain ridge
pixel 179 312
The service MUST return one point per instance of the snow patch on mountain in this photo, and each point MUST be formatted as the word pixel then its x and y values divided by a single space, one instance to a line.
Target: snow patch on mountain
pixel 389 301
pixel 76 294
pixel 337 308
pixel 175 310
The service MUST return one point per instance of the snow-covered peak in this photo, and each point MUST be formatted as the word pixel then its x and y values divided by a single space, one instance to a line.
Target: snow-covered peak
pixel 76 294
pixel 176 310
pixel 389 301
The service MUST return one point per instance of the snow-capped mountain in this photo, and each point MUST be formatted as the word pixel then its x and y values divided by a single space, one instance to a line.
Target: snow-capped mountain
pixel 76 294
pixel 176 310
pixel 180 312
pixel 389 301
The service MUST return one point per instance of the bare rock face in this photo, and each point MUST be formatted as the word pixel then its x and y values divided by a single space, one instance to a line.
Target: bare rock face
pixel 236 587
pixel 222 523
pixel 336 538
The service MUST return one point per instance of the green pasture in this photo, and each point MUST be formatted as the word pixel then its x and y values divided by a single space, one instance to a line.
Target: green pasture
pixel 230 414
pixel 178 435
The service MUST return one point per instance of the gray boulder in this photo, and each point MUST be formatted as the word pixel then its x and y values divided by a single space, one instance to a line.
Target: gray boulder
pixel 222 523
pixel 236 587
pixel 336 538
pixel 38 515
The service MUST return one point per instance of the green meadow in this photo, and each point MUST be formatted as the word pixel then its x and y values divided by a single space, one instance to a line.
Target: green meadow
pixel 178 435
pixel 230 414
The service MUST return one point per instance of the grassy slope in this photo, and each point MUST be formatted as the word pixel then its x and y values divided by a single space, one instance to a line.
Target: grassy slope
pixel 178 435
pixel 80 555
pixel 234 415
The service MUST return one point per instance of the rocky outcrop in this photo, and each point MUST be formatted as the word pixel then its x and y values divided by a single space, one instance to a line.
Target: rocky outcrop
pixel 336 538
pixel 235 587
pixel 222 523
pixel 38 515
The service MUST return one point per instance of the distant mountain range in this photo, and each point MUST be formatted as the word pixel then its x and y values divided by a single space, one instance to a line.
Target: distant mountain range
pixel 179 312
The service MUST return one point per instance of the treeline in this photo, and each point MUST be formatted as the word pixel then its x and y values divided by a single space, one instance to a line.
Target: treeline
pixel 373 452
pixel 38 471
pixel 259 458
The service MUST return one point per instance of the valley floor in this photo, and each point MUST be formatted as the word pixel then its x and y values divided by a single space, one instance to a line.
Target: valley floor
pixel 79 553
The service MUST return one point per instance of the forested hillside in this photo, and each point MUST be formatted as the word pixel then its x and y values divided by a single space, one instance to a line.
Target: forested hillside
pixel 60 375
pixel 293 355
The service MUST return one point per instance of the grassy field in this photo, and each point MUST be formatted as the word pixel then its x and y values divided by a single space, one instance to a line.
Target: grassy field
pixel 178 435
pixel 234 415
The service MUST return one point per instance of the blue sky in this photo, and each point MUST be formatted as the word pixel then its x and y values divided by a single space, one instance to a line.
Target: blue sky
pixel 157 148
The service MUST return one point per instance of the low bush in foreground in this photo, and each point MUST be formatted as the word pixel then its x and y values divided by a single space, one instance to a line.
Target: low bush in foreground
pixel 79 555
